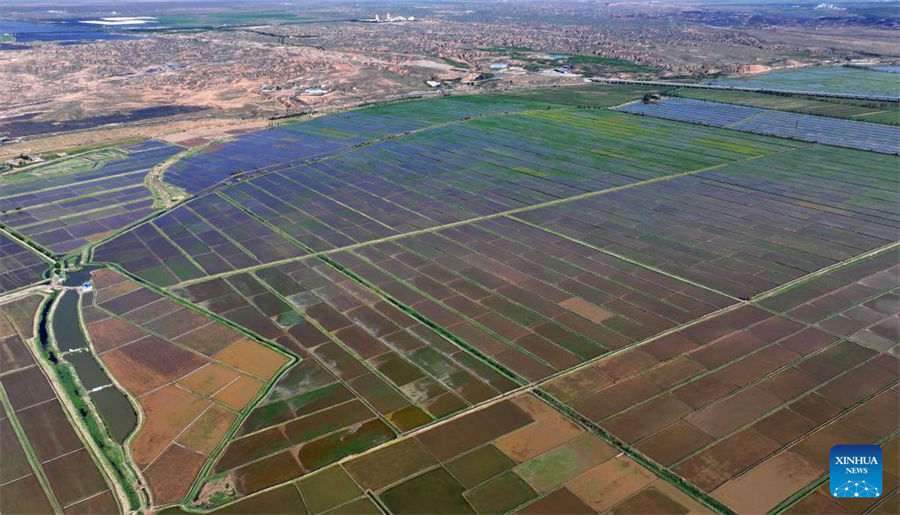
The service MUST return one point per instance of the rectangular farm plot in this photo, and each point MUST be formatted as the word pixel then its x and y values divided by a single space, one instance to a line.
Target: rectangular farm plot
pixel 205 236
pixel 833 79
pixel 874 112
pixel 72 203
pixel 20 490
pixel 532 301
pixel 16 464
pixel 191 375
pixel 19 267
pixel 304 410
pixel 744 228
pixel 17 323
pixel 857 302
pixel 70 469
pixel 481 469
pixel 314 209
pixel 860 302
pixel 24 495
pixel 172 474
pixel 488 473
pixel 369 370
pixel 818 129
pixel 405 370
pixel 146 252
pixel 331 490
pixel 744 405
pixel 219 162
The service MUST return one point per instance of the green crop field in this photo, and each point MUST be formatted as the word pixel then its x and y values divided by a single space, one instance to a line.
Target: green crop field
pixel 81 162
pixel 589 96
pixel 833 79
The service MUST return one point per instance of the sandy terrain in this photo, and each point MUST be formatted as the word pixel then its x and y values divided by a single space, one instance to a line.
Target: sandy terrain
pixel 174 131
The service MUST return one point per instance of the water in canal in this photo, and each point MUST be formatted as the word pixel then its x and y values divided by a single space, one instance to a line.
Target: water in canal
pixel 117 412
pixel 66 326
pixel 80 276
pixel 114 407
pixel 89 371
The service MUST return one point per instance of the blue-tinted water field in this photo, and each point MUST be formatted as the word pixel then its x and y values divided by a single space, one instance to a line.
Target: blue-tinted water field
pixel 25 32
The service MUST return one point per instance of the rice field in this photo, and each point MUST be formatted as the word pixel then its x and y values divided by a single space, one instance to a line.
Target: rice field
pixel 50 468
pixel 817 129
pixel 295 143
pixel 860 110
pixel 746 405
pixel 364 361
pixel 824 79
pixel 419 182
pixel 746 228
pixel 65 205
pixel 486 304
pixel 532 302
pixel 362 351
pixel 192 376
pixel 19 266
pixel 518 455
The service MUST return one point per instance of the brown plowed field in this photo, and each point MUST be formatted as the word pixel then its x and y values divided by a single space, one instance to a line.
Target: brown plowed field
pixel 160 352
pixel 73 476
pixel 746 405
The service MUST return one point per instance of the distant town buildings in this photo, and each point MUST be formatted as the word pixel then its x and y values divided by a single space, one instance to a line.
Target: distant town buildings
pixel 388 19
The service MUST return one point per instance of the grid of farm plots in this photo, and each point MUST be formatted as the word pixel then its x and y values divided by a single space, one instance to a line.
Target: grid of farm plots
pixel 495 297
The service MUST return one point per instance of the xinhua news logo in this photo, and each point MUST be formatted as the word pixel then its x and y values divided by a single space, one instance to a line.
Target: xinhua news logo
pixel 855 471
